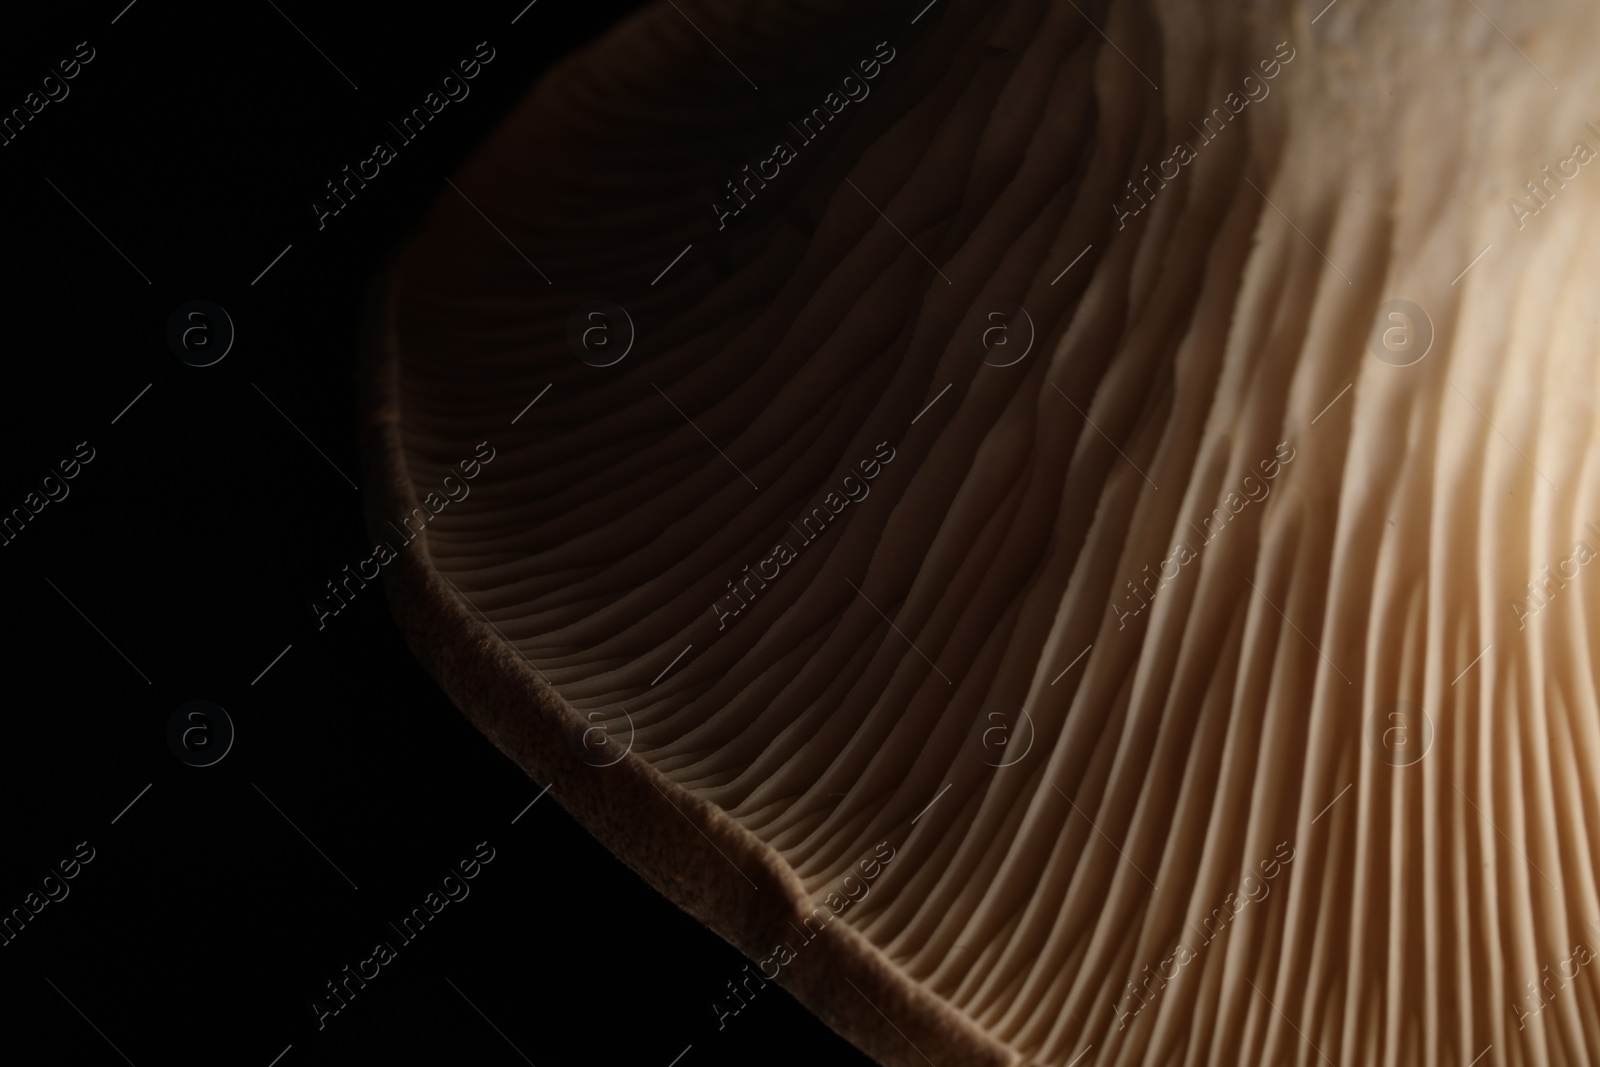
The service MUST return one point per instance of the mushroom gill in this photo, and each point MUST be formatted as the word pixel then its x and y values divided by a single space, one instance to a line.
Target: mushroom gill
pixel 1118 479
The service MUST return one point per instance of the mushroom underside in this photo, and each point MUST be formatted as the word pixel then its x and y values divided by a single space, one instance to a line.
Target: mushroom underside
pixel 1067 550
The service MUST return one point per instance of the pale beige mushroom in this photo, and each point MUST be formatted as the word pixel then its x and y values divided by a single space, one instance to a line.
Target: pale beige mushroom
pixel 1326 774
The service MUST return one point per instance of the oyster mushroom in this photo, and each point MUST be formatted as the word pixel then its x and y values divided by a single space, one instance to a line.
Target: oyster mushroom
pixel 1264 545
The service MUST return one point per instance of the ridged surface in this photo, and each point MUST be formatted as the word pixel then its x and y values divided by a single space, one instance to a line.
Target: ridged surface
pixel 1224 332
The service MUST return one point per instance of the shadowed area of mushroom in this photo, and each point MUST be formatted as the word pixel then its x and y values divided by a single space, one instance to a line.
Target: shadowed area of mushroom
pixel 1263 552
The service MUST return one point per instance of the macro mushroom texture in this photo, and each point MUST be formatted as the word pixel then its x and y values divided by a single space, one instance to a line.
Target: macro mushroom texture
pixel 1074 518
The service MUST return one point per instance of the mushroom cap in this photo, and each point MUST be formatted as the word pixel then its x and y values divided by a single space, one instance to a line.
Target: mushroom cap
pixel 1209 683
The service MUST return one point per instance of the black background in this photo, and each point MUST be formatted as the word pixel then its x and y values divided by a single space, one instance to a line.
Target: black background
pixel 183 559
